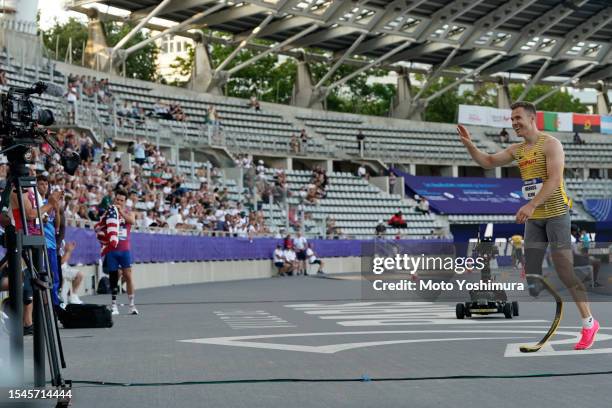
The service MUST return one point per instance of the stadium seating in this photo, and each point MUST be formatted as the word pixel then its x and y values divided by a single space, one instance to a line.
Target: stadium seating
pixel 356 206
pixel 436 141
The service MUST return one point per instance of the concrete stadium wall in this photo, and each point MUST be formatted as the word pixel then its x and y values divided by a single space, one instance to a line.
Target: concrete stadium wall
pixel 151 275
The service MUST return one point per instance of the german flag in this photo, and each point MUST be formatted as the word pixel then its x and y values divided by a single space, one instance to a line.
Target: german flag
pixel 587 123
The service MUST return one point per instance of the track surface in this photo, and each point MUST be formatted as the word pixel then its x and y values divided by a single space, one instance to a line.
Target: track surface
pixel 320 329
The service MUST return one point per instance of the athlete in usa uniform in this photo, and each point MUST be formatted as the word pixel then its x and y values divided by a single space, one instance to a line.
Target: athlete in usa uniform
pixel 113 231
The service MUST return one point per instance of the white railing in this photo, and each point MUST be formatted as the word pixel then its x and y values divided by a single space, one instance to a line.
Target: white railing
pixel 12 24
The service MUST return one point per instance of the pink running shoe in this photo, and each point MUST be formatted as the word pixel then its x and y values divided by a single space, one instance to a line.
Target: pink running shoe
pixel 588 337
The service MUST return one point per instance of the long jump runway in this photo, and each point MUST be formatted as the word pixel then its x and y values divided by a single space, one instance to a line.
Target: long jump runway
pixel 309 342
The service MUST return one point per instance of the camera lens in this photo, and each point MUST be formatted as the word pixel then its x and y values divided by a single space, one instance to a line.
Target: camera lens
pixel 44 117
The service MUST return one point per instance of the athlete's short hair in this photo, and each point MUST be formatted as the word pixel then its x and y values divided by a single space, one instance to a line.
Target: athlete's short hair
pixel 122 193
pixel 528 106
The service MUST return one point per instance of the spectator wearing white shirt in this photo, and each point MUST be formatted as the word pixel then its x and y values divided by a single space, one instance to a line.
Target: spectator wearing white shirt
pixel 175 220
pixel 291 262
pixel 148 219
pixel 300 243
pixel 313 260
pixel 278 258
pixel 71 277
pixel 423 206
pixel 361 171
pixel 72 97
pixel 139 153
pixel 261 169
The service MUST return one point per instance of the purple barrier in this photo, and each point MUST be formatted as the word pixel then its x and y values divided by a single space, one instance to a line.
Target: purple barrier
pixel 185 248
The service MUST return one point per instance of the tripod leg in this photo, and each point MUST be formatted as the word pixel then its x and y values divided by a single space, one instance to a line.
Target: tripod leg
pixel 16 309
pixel 33 256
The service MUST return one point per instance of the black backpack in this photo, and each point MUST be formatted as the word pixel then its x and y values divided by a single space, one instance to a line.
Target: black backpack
pixel 85 316
pixel 104 286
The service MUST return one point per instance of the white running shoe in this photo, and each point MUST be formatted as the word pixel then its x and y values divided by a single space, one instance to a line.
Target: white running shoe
pixel 75 300
pixel 133 310
pixel 114 310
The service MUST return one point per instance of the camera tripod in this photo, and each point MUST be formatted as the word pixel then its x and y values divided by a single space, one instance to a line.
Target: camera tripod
pixel 31 248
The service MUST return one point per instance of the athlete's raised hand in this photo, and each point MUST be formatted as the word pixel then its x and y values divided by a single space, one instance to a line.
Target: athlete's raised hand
pixel 464 135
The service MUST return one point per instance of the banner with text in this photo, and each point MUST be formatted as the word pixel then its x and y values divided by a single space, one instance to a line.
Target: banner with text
pixel 484 116
pixel 467 195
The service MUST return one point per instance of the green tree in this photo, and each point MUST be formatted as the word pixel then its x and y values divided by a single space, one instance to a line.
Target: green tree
pixel 445 107
pixel 560 101
pixel 360 94
pixel 140 64
pixel 60 34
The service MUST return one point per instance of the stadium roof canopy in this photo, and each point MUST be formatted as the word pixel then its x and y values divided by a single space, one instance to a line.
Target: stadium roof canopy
pixel 571 39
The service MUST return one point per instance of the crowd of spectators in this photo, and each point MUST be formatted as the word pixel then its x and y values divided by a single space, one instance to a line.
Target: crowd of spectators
pixel 293 256
pixel 157 192
pixel 130 111
pixel 91 87
pixel 167 110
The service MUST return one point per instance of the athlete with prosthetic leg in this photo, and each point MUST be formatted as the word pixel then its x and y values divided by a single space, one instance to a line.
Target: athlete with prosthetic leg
pixel 541 160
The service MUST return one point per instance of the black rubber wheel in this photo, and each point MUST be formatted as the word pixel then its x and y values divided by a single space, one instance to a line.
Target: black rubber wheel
pixel 508 310
pixel 460 311
pixel 467 310
pixel 515 308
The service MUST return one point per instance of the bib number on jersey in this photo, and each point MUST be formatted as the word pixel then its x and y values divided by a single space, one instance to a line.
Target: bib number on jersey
pixel 532 187
pixel 122 233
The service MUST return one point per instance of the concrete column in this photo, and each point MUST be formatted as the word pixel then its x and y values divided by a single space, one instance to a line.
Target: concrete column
pixel 603 102
pixel 412 169
pixel 289 163
pixel 585 173
pixel 304 94
pixel 404 107
pixel 202 78
pixel 493 173
pixel 329 166
pixel 449 171
pixel 503 95
pixel 97 55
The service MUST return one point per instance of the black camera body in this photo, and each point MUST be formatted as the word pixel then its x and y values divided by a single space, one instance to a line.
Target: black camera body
pixel 21 122
pixel 20 116
pixel 20 119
